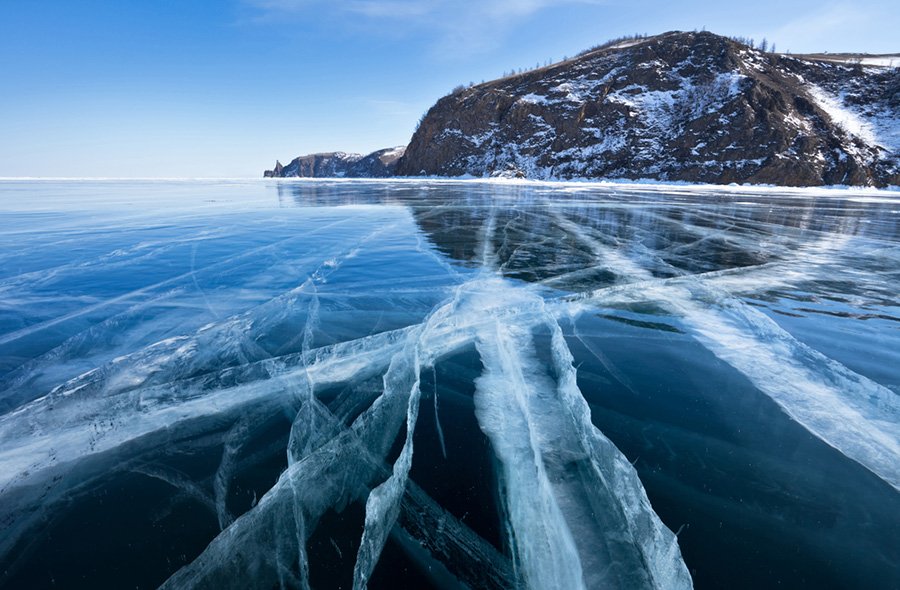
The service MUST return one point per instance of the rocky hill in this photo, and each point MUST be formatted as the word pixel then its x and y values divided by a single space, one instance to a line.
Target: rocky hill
pixel 378 164
pixel 678 106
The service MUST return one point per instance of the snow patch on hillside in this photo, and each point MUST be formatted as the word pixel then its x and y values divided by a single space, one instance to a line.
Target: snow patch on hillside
pixel 881 130
pixel 534 99
pixel 889 61
pixel 842 116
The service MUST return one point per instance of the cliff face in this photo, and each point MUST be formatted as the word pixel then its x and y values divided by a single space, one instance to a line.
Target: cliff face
pixel 379 164
pixel 679 106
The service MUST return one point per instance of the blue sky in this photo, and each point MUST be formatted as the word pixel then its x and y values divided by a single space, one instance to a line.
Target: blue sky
pixel 186 88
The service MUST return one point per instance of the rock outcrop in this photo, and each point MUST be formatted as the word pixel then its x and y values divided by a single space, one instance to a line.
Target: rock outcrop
pixel 679 106
pixel 378 164
pixel 276 172
pixel 693 107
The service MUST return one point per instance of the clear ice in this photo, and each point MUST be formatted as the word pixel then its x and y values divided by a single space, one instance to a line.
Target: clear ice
pixel 338 325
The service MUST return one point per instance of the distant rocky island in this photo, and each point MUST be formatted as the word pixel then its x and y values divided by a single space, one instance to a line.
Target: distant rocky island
pixel 379 164
pixel 694 107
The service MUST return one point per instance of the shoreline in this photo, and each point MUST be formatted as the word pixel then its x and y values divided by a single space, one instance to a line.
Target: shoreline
pixel 583 183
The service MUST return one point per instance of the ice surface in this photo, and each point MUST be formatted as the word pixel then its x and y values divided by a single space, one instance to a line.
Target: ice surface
pixel 566 486
pixel 299 354
pixel 854 414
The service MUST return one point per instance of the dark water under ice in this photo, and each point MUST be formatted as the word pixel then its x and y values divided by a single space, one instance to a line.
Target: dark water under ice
pixel 204 382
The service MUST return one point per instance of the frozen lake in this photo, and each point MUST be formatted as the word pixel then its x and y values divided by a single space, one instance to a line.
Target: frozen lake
pixel 447 384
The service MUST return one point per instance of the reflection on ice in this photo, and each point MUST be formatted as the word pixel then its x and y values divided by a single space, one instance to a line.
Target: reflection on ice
pixel 302 356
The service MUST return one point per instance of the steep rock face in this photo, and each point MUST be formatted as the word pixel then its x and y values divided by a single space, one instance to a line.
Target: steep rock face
pixel 378 164
pixel 679 106
pixel 276 172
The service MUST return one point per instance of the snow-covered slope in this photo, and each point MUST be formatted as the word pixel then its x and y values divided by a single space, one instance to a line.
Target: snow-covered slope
pixel 679 106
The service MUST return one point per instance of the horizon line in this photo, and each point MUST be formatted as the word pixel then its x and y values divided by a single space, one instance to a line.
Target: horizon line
pixel 73 178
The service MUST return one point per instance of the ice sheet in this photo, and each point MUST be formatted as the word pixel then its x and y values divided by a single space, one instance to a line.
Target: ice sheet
pixel 332 321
